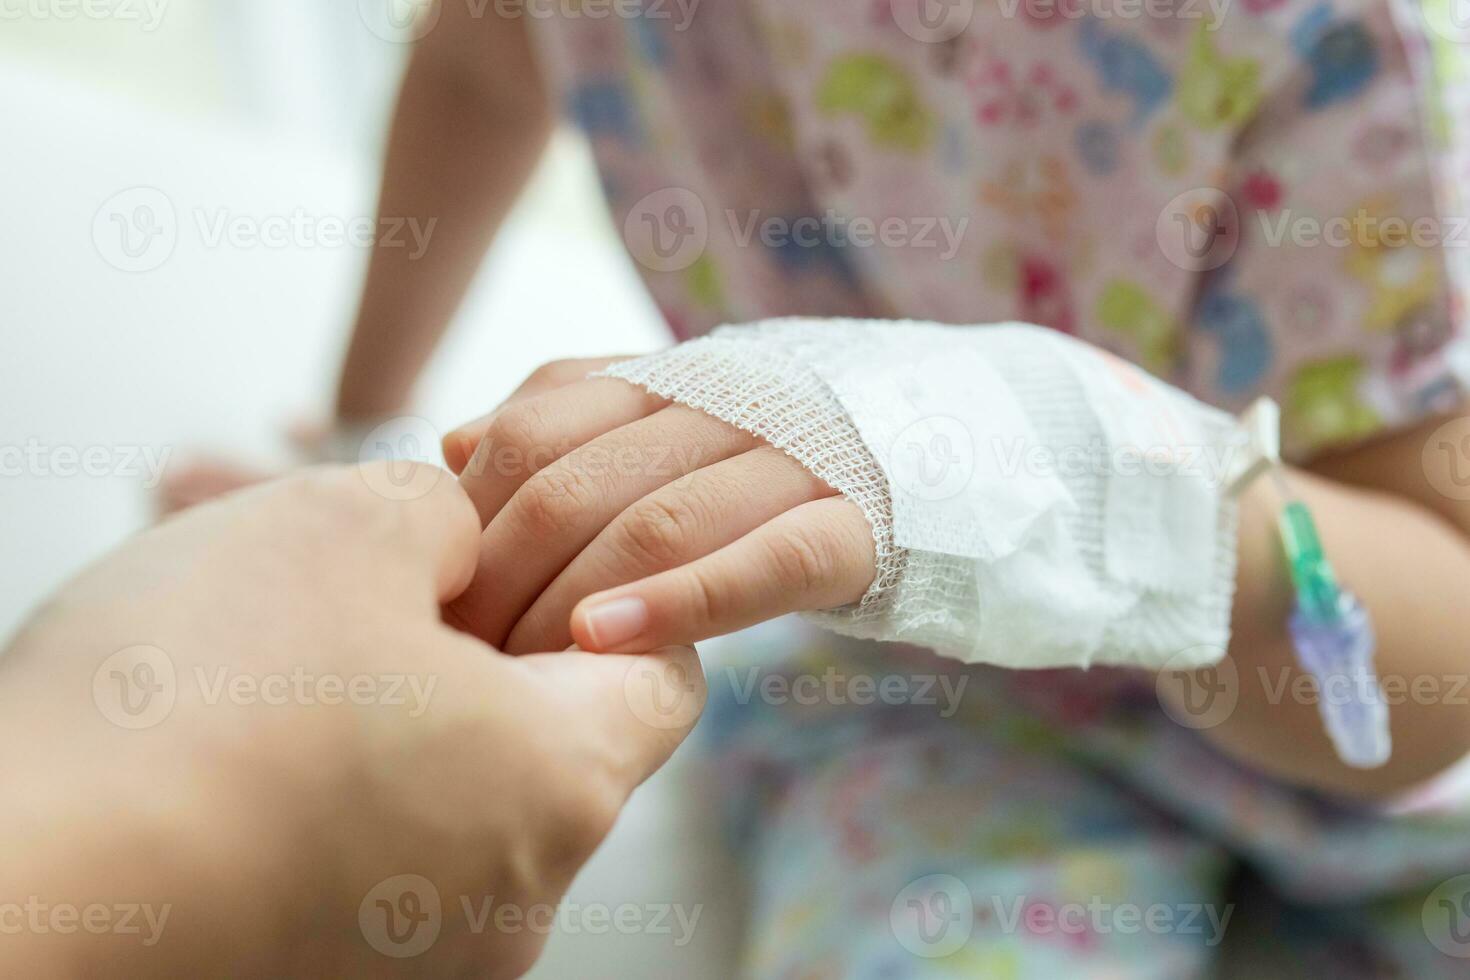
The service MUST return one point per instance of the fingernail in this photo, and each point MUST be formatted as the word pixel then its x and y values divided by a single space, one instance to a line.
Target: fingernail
pixel 615 621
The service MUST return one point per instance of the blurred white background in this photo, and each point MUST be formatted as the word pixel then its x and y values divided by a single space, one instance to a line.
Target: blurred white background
pixel 130 336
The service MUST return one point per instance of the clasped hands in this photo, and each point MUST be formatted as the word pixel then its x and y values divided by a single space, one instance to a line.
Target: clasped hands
pixel 620 522
pixel 270 819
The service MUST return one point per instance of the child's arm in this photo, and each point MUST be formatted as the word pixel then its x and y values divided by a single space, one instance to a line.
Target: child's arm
pixel 472 120
pixel 595 493
pixel 1404 549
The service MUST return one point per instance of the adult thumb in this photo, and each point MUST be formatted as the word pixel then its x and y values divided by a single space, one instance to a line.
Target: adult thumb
pixel 646 703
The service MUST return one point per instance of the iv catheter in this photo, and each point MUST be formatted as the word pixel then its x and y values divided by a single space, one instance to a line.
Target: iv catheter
pixel 1330 629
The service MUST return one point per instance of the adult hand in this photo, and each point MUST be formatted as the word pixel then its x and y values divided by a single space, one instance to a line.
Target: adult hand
pixel 252 724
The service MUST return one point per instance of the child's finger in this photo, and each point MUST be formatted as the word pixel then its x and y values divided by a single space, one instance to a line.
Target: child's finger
pixel 460 444
pixel 816 556
pixel 558 512
pixel 559 374
pixel 676 524
pixel 522 439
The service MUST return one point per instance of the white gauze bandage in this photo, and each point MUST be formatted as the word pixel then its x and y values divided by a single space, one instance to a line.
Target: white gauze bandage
pixel 1035 502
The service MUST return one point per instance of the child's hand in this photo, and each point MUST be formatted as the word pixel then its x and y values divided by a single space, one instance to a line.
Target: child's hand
pixel 621 522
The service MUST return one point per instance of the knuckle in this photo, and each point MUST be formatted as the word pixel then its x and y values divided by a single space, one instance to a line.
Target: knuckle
pixel 705 602
pixel 552 500
pixel 555 374
pixel 660 530
pixel 516 438
pixel 804 559
pixel 550 372
pixel 520 425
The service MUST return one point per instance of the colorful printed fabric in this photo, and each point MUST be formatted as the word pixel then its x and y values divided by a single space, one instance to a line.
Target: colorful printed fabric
pixel 1245 198
pixel 1243 206
pixel 903 815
